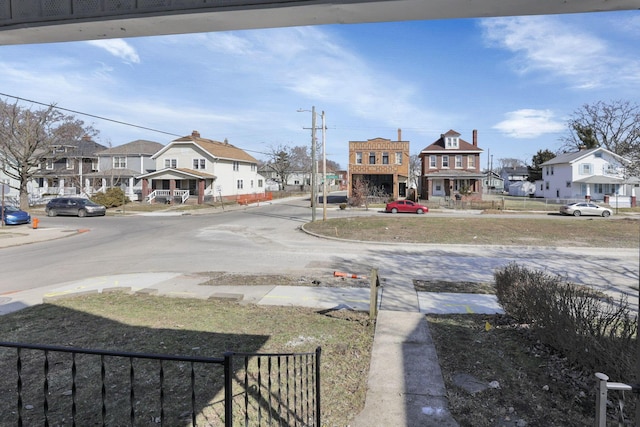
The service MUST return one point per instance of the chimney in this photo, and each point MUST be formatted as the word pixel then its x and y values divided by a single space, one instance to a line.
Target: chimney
pixel 399 134
pixel 475 137
pixel 195 134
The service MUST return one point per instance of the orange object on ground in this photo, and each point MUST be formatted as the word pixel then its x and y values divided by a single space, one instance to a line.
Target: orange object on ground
pixel 348 275
pixel 35 222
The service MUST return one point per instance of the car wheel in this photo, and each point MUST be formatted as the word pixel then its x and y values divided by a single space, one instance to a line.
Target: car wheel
pixel 419 211
pixel 394 210
pixel 51 212
pixel 82 213
pixel 576 213
pixel 606 214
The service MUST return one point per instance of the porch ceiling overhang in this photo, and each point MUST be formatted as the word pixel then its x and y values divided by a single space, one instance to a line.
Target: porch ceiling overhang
pixel 600 179
pixel 113 173
pixel 454 175
pixel 179 173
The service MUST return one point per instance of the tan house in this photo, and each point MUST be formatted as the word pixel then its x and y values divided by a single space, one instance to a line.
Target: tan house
pixel 451 167
pixel 381 163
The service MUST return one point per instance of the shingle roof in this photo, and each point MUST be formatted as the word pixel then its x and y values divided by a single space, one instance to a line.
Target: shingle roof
pixel 463 145
pixel 222 150
pixel 139 146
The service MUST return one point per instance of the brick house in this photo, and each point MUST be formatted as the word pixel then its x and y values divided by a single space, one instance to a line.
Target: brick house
pixel 451 166
pixel 381 163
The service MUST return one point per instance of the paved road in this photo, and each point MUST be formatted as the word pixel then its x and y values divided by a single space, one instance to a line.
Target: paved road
pixel 267 239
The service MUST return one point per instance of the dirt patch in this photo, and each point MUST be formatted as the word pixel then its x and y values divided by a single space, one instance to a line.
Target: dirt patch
pixel 221 278
pixel 455 287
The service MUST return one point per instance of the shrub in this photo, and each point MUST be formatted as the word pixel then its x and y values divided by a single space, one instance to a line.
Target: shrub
pixel 112 198
pixel 586 326
pixel 343 206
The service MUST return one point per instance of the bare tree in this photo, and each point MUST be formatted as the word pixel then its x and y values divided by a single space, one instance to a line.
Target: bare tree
pixel 612 125
pixel 280 162
pixel 509 162
pixel 27 139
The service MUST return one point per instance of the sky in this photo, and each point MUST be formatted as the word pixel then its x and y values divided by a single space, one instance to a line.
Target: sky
pixel 516 80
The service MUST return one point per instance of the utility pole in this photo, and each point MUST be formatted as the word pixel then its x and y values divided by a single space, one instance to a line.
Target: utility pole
pixel 314 166
pixel 324 170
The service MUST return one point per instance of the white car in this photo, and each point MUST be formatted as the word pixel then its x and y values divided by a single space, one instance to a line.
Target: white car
pixel 585 208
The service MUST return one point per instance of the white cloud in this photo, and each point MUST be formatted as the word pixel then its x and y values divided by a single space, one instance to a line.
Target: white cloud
pixel 118 48
pixel 558 47
pixel 529 123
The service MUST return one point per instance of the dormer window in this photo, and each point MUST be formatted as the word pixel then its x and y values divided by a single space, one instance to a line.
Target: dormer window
pixel 452 142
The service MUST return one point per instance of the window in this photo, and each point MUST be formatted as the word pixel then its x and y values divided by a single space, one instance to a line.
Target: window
pixel 171 163
pixel 546 185
pixel 119 162
pixel 433 162
pixel 251 183
pixel 359 158
pixel 254 167
pixel 585 169
pixel 471 162
pixel 372 158
pixel 94 165
pixel 199 164
pixel 69 164
pixel 458 161
pixel 385 158
pixel 236 167
pixel 445 161
pixel 551 170
pixel 546 170
pixel 260 183
pixel 240 184
pixel 451 142
pixel 568 183
pixel 49 164
pixel 398 158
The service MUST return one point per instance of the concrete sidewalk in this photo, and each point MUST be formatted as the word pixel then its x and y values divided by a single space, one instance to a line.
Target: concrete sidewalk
pixel 405 384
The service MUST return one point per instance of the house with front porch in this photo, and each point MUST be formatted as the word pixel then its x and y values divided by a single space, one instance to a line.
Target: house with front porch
pixel 593 174
pixel 66 167
pixel 451 166
pixel 121 165
pixel 199 169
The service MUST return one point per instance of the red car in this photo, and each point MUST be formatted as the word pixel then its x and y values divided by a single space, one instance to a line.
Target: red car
pixel 405 206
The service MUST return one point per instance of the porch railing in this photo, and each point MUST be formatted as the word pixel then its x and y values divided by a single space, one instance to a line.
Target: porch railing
pixel 54 385
pixel 604 385
pixel 182 194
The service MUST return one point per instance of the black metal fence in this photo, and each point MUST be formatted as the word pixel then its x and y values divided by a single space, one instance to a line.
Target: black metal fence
pixel 52 385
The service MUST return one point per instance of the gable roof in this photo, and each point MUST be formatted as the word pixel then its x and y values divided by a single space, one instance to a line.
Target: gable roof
pixel 137 147
pixel 221 150
pixel 439 144
pixel 578 155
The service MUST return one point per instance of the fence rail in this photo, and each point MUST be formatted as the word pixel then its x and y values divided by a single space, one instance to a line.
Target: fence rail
pixel 53 385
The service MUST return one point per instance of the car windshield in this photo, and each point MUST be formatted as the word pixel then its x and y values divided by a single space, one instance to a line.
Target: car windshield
pixel 11 209
pixel 87 202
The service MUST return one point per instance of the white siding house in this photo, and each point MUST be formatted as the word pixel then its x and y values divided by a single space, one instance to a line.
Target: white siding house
pixel 192 166
pixel 586 174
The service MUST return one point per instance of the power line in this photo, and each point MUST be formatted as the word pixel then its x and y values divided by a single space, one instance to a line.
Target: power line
pixel 89 115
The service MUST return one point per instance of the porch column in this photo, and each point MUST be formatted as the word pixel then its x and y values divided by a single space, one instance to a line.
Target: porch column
pixel 588 196
pixel 145 188
pixel 172 189
pixel 61 187
pixel 396 190
pixel 130 188
pixel 201 191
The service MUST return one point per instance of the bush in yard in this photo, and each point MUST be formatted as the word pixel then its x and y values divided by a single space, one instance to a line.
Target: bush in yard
pixel 586 326
pixel 111 198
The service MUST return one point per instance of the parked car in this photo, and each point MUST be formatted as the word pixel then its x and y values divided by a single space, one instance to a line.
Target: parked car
pixel 14 216
pixel 585 208
pixel 74 206
pixel 406 206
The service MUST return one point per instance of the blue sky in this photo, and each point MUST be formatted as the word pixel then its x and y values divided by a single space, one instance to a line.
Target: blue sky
pixel 516 80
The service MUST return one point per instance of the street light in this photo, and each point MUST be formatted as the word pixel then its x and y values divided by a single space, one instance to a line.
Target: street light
pixel 314 168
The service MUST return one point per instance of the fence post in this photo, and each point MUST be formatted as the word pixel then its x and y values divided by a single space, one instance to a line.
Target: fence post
pixel 318 417
pixel 601 400
pixel 373 297
pixel 228 389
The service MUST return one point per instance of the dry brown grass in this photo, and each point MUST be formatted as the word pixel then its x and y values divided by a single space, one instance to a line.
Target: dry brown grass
pixel 545 231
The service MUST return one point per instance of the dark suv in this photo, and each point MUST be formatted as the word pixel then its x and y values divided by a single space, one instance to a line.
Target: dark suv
pixel 74 206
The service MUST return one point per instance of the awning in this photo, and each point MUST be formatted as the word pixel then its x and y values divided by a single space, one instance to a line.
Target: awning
pixel 600 179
